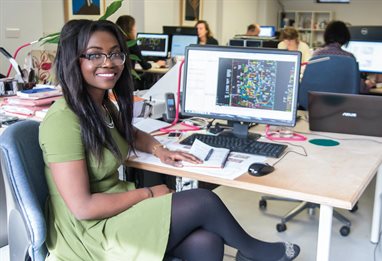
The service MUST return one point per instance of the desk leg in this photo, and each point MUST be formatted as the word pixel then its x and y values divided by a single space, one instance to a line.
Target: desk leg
pixel 324 233
pixel 376 223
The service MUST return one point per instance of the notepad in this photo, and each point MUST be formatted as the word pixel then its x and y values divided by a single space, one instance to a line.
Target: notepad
pixel 39 93
pixel 212 157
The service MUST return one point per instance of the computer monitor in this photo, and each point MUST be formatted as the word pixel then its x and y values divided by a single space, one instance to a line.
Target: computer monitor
pixel 267 31
pixel 153 45
pixel 170 30
pixel 180 42
pixel 243 85
pixel 253 43
pixel 183 30
pixel 236 42
pixel 367 55
pixel 371 33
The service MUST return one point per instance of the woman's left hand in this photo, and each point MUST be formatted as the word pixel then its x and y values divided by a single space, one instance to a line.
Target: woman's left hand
pixel 175 158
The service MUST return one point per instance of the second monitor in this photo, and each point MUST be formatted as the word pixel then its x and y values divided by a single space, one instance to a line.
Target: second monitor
pixel 153 45
pixel 180 42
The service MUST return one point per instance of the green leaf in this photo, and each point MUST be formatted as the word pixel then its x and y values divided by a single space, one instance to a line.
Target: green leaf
pixel 50 38
pixel 111 9
pixel 135 74
pixel 133 57
pixel 131 43
pixel 54 40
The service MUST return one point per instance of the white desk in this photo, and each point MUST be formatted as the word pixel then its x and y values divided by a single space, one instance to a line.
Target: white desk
pixel 330 176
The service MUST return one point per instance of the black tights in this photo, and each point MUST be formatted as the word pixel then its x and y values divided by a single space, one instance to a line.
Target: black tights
pixel 201 224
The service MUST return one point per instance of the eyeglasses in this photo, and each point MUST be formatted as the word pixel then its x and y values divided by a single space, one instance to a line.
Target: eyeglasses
pixel 99 59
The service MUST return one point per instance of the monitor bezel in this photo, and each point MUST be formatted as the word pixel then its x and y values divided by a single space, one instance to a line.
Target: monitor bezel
pixel 289 123
pixel 162 54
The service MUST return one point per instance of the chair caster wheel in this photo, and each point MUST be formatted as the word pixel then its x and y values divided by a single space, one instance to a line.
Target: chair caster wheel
pixel 281 227
pixel 345 231
pixel 262 204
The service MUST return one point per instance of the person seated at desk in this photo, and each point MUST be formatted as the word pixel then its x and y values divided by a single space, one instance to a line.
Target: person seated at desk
pixel 205 34
pixel 128 25
pixel 253 30
pixel 336 35
pixel 91 214
pixel 290 40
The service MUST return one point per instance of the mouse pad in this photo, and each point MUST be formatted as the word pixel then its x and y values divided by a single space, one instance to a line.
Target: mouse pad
pixel 324 142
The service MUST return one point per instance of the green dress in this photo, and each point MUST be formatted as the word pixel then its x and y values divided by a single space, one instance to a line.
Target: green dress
pixel 138 233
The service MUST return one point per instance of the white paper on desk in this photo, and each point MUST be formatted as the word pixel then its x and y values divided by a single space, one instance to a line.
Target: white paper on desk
pixel 236 165
pixel 149 125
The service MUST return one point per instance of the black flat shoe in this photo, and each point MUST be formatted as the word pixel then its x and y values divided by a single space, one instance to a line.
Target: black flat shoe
pixel 291 252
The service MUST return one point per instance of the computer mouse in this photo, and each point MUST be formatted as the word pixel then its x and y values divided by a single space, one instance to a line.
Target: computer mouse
pixel 259 169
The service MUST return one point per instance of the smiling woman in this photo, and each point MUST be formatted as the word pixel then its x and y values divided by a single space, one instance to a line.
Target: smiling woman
pixel 92 215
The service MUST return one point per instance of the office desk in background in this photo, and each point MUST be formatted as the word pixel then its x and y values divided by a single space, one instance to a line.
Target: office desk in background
pixel 148 77
pixel 153 70
pixel 377 91
pixel 330 176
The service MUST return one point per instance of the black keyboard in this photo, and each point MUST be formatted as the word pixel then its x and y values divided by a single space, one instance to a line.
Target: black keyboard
pixel 238 144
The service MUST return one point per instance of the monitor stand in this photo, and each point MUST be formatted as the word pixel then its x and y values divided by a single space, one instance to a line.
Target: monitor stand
pixel 240 130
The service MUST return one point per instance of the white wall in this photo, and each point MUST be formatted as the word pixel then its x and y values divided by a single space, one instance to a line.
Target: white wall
pixel 358 12
pixel 236 16
pixel 24 16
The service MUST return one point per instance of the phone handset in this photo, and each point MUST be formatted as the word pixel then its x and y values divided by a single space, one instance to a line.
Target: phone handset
pixel 169 115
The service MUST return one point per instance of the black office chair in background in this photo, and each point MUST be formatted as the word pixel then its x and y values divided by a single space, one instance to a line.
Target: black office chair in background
pixel 339 74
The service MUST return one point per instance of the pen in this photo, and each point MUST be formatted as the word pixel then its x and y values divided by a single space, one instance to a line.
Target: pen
pixel 209 154
pixel 225 161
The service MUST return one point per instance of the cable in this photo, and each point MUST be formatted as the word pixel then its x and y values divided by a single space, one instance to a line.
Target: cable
pixel 189 127
pixel 334 138
pixel 196 121
pixel 305 154
pixel 16 52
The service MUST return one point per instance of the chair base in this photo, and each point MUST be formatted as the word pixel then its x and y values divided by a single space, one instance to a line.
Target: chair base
pixel 280 227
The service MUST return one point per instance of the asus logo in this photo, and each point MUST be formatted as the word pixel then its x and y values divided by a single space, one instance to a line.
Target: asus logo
pixel 349 114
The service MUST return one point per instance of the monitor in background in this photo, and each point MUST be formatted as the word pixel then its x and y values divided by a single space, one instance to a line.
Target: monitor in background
pixel 253 43
pixel 270 43
pixel 236 42
pixel 170 30
pixel 184 30
pixel 366 33
pixel 367 55
pixel 333 1
pixel 267 31
pixel 179 43
pixel 153 45
pixel 241 85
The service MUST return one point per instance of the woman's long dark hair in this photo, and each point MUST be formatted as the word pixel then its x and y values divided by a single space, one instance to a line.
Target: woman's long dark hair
pixel 95 134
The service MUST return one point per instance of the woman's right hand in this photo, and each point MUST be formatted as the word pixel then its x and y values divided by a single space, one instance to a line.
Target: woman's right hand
pixel 160 190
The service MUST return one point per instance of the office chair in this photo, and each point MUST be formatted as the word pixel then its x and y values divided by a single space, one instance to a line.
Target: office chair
pixel 338 74
pixel 26 191
pixel 22 165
